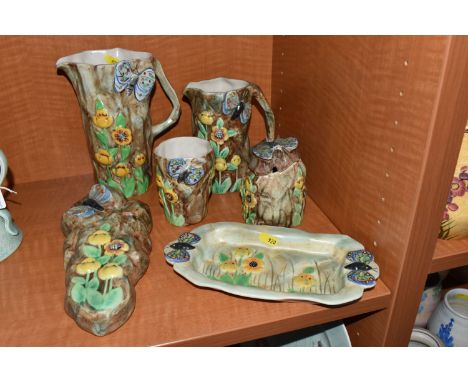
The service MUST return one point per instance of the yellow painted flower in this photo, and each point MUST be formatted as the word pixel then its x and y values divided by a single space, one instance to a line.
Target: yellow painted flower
pixel 299 183
pixel 159 181
pixel 239 253
pixel 236 160
pixel 116 247
pixel 122 136
pixel 252 265
pixel 219 135
pixel 228 266
pixel 103 157
pixel 140 159
pixel 220 164
pixel 110 271
pixel 206 117
pixel 121 170
pixel 99 237
pixel 171 195
pixel 88 265
pixel 250 200
pixel 161 202
pixel 102 119
pixel 304 280
pixel 247 184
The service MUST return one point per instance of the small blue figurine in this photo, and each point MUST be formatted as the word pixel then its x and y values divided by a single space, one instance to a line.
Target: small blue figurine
pixel 10 235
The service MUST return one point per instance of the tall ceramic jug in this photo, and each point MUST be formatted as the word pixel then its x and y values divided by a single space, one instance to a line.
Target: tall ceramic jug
pixel 113 89
pixel 221 110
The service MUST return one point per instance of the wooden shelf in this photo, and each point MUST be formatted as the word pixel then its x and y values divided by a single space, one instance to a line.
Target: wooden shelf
pixel 449 254
pixel 169 310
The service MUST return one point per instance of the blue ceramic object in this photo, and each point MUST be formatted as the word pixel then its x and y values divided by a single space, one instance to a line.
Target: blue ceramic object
pixel 10 235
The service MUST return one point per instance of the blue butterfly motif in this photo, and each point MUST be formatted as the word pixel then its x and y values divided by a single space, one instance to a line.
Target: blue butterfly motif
pixel 140 83
pixel 178 252
pixel 265 149
pixel 179 169
pixel 99 196
pixel 361 267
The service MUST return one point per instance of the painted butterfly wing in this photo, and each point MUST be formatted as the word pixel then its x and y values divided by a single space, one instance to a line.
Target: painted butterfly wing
pixel 177 256
pixel 231 100
pixel 245 115
pixel 237 111
pixel 289 143
pixel 175 167
pixel 181 245
pixel 362 278
pixel 193 175
pixel 356 266
pixel 189 237
pixel 360 256
pixel 82 212
pixel 145 84
pixel 122 75
pixel 101 194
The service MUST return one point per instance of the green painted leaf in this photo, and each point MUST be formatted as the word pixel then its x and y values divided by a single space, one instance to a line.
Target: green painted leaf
pixel 128 186
pixel 215 147
pixel 215 188
pixel 78 280
pixel 125 153
pixel 224 152
pixel 231 166
pixel 120 121
pixel 219 123
pixel 105 227
pixel 296 219
pixel 223 257
pixel 113 151
pixel 236 185
pixel 138 172
pixel 232 132
pixel 103 259
pixel 91 251
pixel 94 283
pixel 225 185
pixel 120 259
pixel 95 299
pixel 102 181
pixel 78 293
pixel 112 183
pixel 142 186
pixel 297 192
pixel 259 255
pixel 202 133
pixel 299 171
pixel 226 278
pixel 101 135
pixel 298 208
pixel 99 104
pixel 242 279
pixel 309 270
pixel 113 298
pixel 178 220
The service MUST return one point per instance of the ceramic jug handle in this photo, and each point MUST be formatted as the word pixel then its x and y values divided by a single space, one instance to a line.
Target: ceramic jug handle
pixel 270 117
pixel 3 167
pixel 171 94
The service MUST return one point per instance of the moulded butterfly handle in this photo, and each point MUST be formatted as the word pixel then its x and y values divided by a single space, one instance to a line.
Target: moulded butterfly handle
pixel 270 117
pixel 171 94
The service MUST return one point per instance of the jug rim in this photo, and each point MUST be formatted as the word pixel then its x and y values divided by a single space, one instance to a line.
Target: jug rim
pixel 453 294
pixel 218 84
pixel 97 57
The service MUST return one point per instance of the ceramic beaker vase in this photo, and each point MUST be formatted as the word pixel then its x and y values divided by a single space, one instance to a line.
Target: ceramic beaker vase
pixel 184 174
pixel 221 110
pixel 114 88
pixel 274 192
pixel 10 235
pixel 450 319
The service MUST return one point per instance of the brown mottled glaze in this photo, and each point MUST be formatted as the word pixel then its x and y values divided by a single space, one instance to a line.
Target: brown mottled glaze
pixel 127 225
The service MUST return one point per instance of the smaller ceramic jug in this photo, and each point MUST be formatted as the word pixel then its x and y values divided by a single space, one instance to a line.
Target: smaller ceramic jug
pixel 221 109
pixel 450 319
pixel 274 192
pixel 10 235
pixel 114 89
pixel 429 299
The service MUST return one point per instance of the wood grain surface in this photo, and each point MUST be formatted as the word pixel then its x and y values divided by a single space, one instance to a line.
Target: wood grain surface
pixel 169 310
pixel 41 131
pixel 449 254
pixel 364 110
